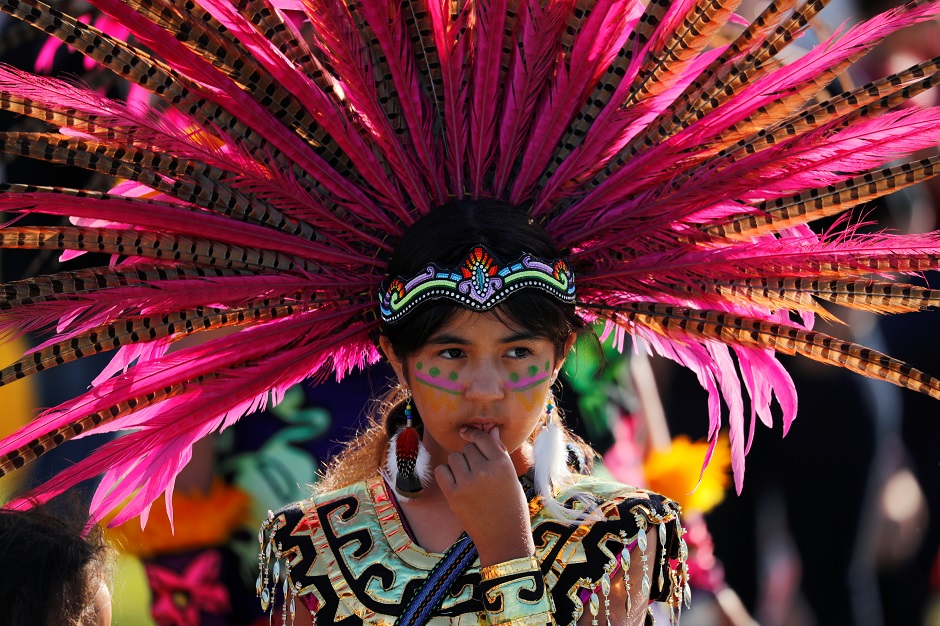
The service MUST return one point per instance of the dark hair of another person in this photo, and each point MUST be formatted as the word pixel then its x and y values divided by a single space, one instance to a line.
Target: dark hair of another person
pixel 49 572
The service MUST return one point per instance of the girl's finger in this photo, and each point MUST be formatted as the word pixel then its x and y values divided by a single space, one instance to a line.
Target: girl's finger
pixel 494 435
pixel 473 455
pixel 445 479
pixel 458 466
pixel 488 443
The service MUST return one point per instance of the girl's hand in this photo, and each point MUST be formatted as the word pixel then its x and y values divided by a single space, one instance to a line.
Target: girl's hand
pixel 483 491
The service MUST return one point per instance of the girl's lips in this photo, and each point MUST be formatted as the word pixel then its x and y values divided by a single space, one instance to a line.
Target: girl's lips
pixel 485 426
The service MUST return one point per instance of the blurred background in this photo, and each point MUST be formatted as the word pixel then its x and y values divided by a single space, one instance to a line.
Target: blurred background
pixel 838 522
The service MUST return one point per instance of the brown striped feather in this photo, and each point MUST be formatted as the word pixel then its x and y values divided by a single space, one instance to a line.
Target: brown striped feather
pixel 782 36
pixel 141 329
pixel 780 108
pixel 139 68
pixel 385 96
pixel 149 245
pixel 773 112
pixel 878 96
pixel 813 204
pixel 207 37
pixel 273 28
pixel 580 11
pixel 717 82
pixel 678 322
pixel 728 80
pixel 602 93
pixel 866 295
pixel 427 59
pixel 695 32
pixel 81 121
pixel 745 71
pixel 852 265
pixel 194 182
pixel 754 295
pixel 803 294
pixel 50 287
pixel 131 62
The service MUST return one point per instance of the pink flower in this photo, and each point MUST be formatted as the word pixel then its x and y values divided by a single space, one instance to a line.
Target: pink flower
pixel 179 597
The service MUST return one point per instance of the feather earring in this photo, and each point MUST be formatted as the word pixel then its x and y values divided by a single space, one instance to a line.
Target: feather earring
pixel 550 462
pixel 408 465
pixel 551 453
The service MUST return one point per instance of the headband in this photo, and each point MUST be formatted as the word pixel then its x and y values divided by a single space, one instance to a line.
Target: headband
pixel 479 283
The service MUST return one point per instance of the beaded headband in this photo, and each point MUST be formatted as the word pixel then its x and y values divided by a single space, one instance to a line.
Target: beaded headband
pixel 479 283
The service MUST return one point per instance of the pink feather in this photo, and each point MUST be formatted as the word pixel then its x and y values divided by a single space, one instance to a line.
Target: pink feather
pixel 386 21
pixel 149 458
pixel 533 61
pixel 597 43
pixel 454 54
pixel 489 25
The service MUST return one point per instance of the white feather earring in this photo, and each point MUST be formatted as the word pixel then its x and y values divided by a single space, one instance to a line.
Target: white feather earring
pixel 550 463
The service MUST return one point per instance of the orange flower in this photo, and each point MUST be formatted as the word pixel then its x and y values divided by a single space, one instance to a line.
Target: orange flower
pixel 200 520
pixel 675 472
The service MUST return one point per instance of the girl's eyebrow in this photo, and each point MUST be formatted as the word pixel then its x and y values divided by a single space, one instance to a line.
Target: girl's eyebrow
pixel 452 339
pixel 448 338
pixel 522 335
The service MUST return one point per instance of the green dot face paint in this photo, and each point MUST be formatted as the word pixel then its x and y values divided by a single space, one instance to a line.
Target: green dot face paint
pixel 548 366
pixel 432 379
pixel 419 366
pixel 525 383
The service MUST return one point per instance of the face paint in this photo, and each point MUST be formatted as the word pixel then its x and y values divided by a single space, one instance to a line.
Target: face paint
pixel 433 379
pixel 437 393
pixel 525 383
pixel 477 371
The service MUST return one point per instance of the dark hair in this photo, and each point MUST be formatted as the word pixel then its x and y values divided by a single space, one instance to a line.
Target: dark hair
pixel 50 571
pixel 444 236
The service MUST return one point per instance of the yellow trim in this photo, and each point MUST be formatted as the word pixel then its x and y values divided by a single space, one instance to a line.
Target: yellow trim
pixel 524 565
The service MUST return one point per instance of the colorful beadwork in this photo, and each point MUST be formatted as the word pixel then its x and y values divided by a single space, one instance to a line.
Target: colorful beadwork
pixel 479 283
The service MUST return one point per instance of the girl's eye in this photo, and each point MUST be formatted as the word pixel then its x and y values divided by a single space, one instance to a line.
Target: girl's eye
pixel 518 353
pixel 451 353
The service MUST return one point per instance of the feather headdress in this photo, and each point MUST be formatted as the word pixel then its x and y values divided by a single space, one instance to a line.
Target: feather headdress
pixel 289 147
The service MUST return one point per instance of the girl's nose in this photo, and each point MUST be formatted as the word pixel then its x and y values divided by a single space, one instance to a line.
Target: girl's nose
pixel 485 384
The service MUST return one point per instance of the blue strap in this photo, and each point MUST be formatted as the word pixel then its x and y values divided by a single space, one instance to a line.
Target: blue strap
pixel 454 562
pixel 426 600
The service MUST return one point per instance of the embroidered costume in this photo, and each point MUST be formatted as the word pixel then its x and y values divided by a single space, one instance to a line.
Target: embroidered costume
pixel 347 555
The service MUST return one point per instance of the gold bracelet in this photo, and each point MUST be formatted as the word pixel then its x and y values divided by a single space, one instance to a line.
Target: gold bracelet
pixel 522 565
pixel 514 594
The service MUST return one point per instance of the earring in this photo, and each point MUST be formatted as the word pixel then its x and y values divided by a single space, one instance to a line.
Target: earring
pixel 550 465
pixel 408 465
pixel 549 455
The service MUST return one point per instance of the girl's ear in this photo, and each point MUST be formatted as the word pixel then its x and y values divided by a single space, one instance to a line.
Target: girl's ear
pixel 393 360
pixel 569 343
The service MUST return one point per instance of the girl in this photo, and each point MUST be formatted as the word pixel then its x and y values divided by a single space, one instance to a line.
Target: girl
pixel 496 471
pixel 292 147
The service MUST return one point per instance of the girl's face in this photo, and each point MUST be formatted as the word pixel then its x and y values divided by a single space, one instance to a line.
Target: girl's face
pixel 478 372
